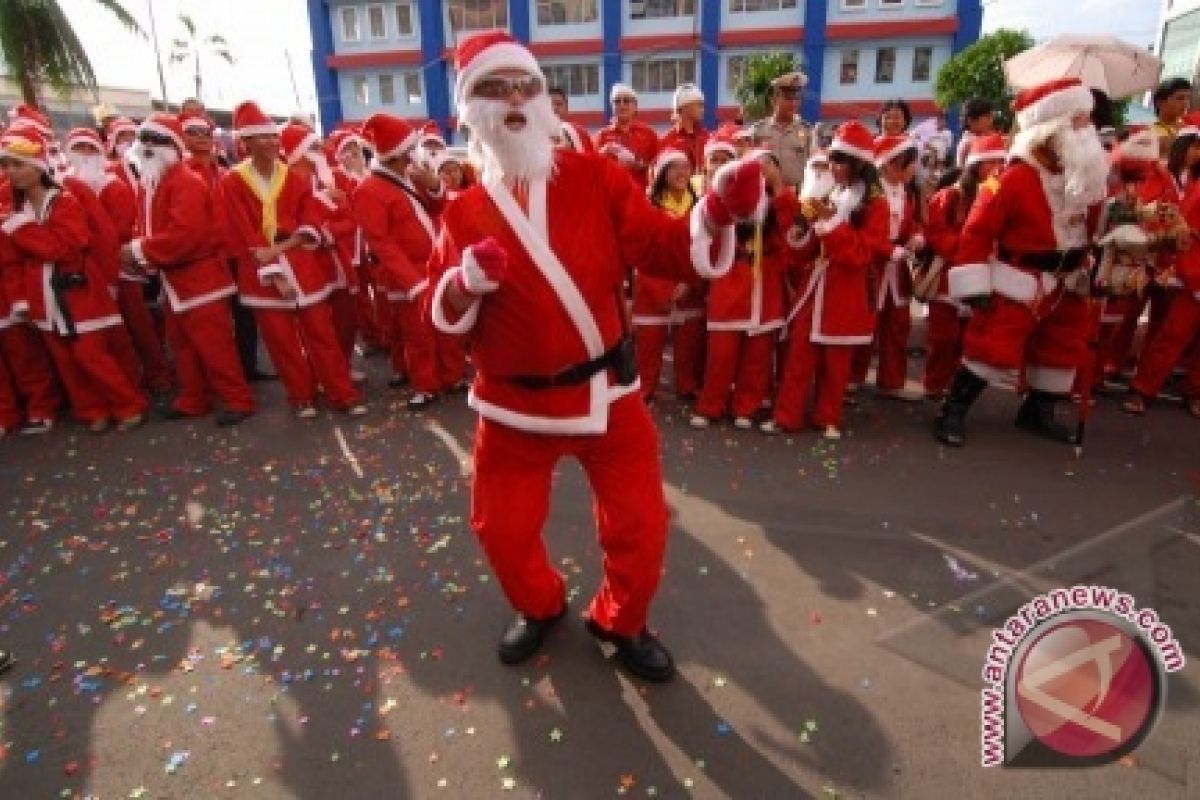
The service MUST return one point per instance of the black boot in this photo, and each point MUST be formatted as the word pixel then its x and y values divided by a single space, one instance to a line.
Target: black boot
pixel 643 655
pixel 524 636
pixel 1036 415
pixel 951 425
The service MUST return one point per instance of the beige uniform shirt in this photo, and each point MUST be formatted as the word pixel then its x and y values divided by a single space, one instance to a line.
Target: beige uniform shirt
pixel 791 144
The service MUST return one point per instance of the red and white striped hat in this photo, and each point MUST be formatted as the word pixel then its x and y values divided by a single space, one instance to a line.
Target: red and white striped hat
pixel 987 148
pixel 296 140
pixel 86 136
pixel 33 117
pixel 249 120
pixel 25 146
pixel 891 146
pixel 164 125
pixel 1052 101
pixel 853 139
pixel 116 126
pixel 390 135
pixel 663 160
pixel 487 52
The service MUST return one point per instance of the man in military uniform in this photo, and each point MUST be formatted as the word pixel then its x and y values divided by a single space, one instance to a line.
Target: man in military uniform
pixel 784 133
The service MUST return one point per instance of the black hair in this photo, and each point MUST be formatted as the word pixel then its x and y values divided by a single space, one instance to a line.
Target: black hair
pixel 18 195
pixel 896 102
pixel 1177 158
pixel 558 90
pixel 977 107
pixel 948 178
pixel 968 183
pixel 1103 113
pixel 660 187
pixel 1168 88
pixel 863 172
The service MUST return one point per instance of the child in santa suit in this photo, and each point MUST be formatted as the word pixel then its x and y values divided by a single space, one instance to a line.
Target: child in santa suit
pixel 65 291
pixel 745 311
pixel 29 395
pixel 947 212
pixel 654 313
pixel 831 316
pixel 891 276
pixel 274 222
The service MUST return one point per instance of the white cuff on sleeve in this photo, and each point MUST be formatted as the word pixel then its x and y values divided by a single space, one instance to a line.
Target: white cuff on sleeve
pixel 468 318
pixel 136 247
pixel 17 220
pixel 269 271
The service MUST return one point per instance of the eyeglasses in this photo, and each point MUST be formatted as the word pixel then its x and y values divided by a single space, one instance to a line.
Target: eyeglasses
pixel 500 88
pixel 203 133
pixel 623 101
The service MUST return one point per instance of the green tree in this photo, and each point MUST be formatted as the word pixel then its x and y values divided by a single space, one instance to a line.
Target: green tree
pixel 39 46
pixel 753 89
pixel 193 45
pixel 978 71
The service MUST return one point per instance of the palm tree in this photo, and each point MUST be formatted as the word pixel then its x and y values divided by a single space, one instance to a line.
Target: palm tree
pixel 39 46
pixel 753 90
pixel 192 47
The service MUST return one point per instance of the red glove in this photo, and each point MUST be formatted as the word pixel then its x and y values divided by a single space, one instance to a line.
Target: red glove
pixel 484 266
pixel 737 192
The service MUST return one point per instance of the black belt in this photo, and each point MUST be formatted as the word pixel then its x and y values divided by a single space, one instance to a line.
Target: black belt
pixel 1047 260
pixel 60 284
pixel 576 374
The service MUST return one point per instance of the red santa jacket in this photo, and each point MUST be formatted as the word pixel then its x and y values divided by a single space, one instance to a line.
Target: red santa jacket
pixel 340 235
pixel 750 298
pixel 56 241
pixel 690 143
pixel 559 304
pixel 895 278
pixel 177 236
pixel 1188 263
pixel 832 268
pixel 1021 211
pixel 636 137
pixel 399 227
pixel 258 212
pixel 657 301
pixel 943 224
pixel 104 242
pixel 576 138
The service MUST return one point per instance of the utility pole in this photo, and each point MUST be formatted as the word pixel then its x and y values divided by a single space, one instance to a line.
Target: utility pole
pixel 292 74
pixel 162 80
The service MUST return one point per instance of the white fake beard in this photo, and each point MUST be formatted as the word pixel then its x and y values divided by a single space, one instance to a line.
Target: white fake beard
pixel 153 162
pixel 1085 166
pixel 324 173
pixel 816 185
pixel 523 155
pixel 89 169
pixel 122 148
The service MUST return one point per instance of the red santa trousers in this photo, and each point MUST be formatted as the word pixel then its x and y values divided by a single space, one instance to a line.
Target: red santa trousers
pixel 1116 339
pixel 829 364
pixel 28 362
pixel 369 301
pixel 206 359
pixel 739 359
pixel 97 387
pixel 10 405
pixel 650 341
pixel 143 330
pixel 1179 332
pixel 687 349
pixel 450 353
pixel 1049 340
pixel 413 347
pixel 892 326
pixel 304 349
pixel 944 328
pixel 510 498
pixel 344 307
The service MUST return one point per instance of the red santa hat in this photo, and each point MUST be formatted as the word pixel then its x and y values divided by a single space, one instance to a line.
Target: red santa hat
pixel 390 135
pixel 1052 102
pixel 987 148
pixel 430 133
pixel 853 139
pixel 249 120
pixel 25 146
pixel 164 125
pixel 116 126
pixel 339 140
pixel 193 122
pixel 1140 146
pixel 1191 125
pixel 889 147
pixel 296 140
pixel 86 136
pixel 666 158
pixel 32 117
pixel 721 141
pixel 487 52
pixel 686 94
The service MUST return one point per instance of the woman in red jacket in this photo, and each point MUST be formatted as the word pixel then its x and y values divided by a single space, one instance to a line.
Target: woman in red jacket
pixel 831 316
pixel 65 290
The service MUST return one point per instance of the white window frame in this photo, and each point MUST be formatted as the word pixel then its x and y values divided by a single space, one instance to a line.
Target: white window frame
pixel 449 22
pixel 664 57
pixel 342 23
pixel 891 5
pixel 408 95
pixel 630 15
pixel 929 3
pixel 412 18
pixel 587 65
pixel 362 98
pixel 535 11
pixel 391 79
pixel 382 16
pixel 733 11
pixel 857 65
pixel 854 6
pixel 879 51
pixel 912 75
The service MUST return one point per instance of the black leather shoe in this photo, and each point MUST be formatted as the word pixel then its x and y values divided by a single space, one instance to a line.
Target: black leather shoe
pixel 1036 415
pixel 170 414
pixel 524 636
pixel 642 654
pixel 950 428
pixel 229 418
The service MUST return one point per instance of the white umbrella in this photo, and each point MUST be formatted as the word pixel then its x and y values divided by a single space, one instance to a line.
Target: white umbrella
pixel 1100 62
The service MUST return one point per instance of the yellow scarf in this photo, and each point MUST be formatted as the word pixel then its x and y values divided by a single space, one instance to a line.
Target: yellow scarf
pixel 267 193
pixel 677 208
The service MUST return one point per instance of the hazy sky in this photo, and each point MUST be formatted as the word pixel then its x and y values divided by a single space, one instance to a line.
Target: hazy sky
pixel 262 32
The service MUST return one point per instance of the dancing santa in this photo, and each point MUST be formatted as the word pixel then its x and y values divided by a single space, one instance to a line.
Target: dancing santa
pixel 1023 259
pixel 531 264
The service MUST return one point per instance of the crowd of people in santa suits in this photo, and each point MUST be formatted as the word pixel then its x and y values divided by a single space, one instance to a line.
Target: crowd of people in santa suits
pixel 135 262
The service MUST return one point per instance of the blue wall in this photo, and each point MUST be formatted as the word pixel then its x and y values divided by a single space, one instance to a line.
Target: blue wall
pixel 814 63
pixel 329 100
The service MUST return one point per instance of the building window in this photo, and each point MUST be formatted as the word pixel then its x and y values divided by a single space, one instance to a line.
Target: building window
pixel 477 15
pixel 854 5
pixel 662 74
pixel 404 20
pixel 930 3
pixel 362 90
pixel 656 9
pixel 885 64
pixel 566 12
pixel 751 6
pixel 412 87
pixel 922 64
pixel 576 80
pixel 350 32
pixel 376 22
pixel 387 90
pixel 849 72
pixel 887 4
pixel 735 73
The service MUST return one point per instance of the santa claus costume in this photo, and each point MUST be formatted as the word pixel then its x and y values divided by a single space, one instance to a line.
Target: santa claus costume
pixel 686 134
pixel 948 209
pixel 831 316
pixel 531 265
pixel 399 223
pixel 631 142
pixel 178 237
pixel 274 222
pixel 1022 260
pixel 65 290
pixel 745 314
pixel 29 396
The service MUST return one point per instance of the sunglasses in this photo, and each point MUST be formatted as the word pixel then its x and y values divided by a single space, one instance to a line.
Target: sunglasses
pixel 500 88
pixel 623 101
pixel 155 139
pixel 203 133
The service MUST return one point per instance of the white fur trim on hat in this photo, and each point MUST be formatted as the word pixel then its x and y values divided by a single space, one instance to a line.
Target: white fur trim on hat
pixel 1141 146
pixel 715 145
pixel 840 146
pixel 83 138
pixel 440 159
pixel 161 130
pixel 685 94
pixel 668 157
pixel 502 55
pixel 885 157
pixel 305 145
pixel 352 138
pixel 987 155
pixel 621 90
pixel 1064 103
pixel 256 130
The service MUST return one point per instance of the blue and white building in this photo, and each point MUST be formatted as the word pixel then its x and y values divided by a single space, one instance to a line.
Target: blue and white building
pixel 398 55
